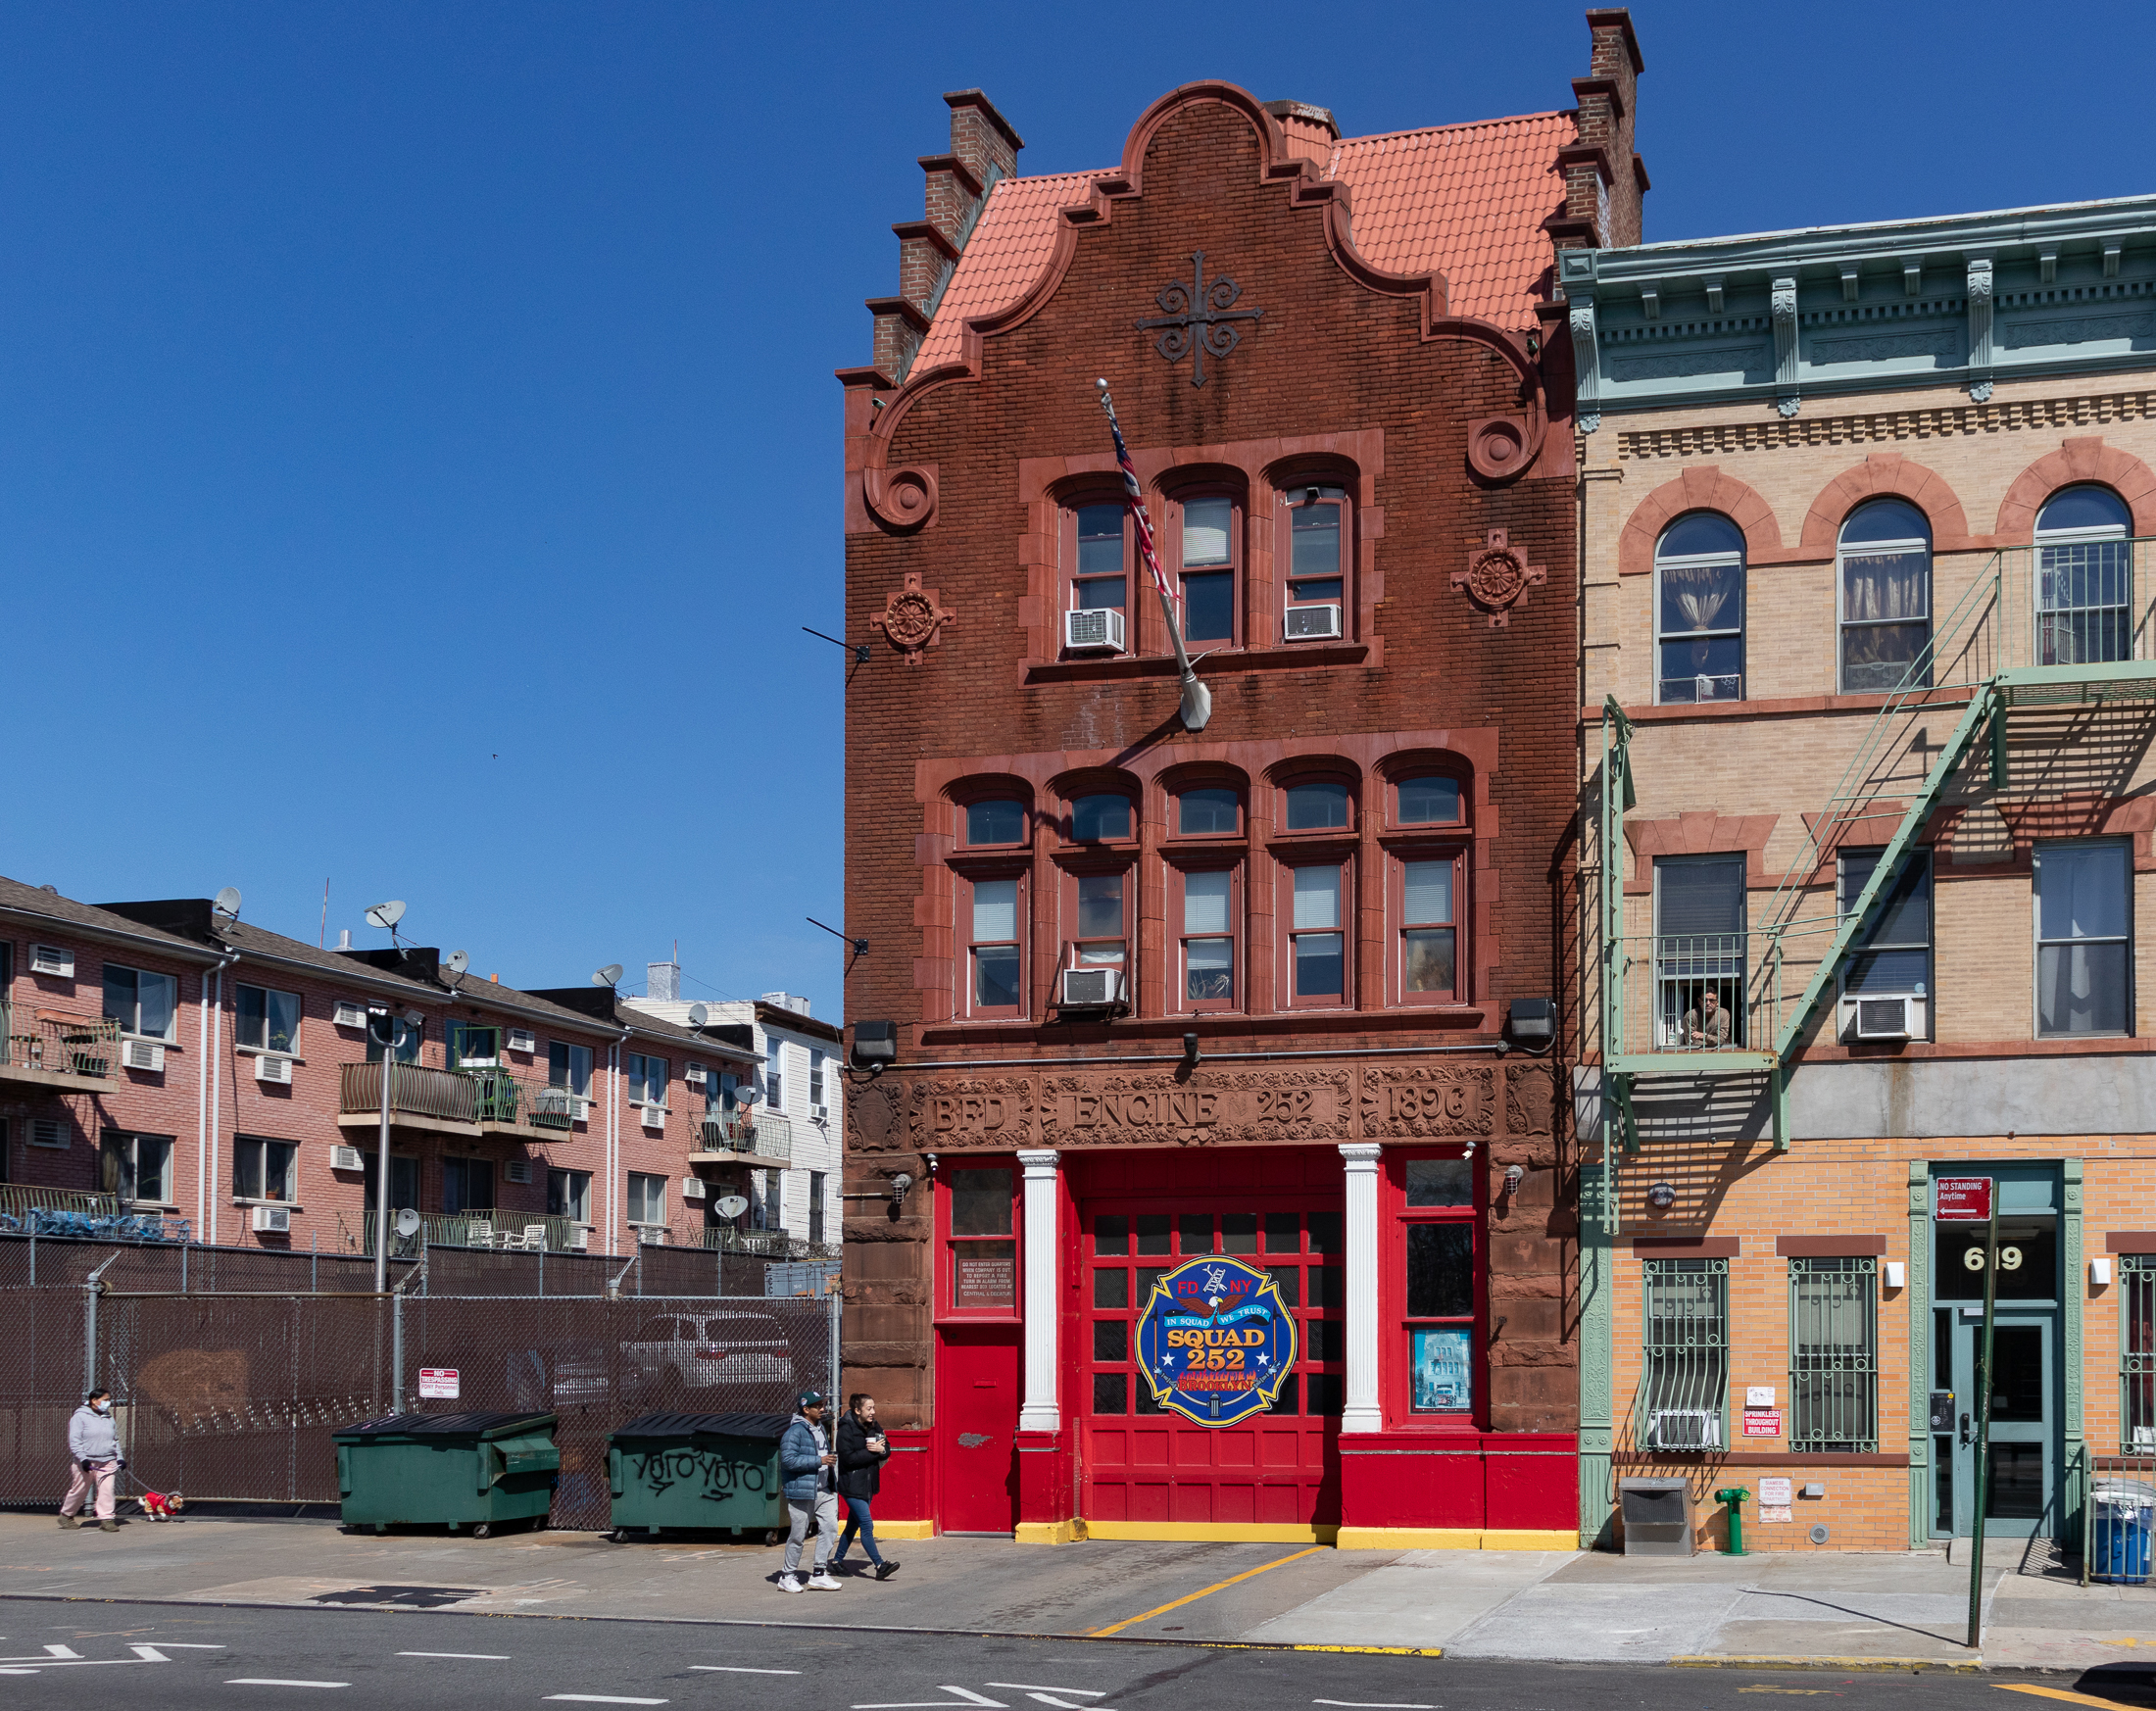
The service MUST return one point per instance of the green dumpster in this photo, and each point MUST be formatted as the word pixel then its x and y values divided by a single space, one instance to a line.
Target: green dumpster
pixel 449 1470
pixel 698 1470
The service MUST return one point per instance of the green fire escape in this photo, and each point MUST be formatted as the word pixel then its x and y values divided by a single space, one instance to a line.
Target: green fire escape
pixel 2054 656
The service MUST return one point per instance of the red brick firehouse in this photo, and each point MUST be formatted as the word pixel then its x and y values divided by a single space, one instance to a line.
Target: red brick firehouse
pixel 1281 984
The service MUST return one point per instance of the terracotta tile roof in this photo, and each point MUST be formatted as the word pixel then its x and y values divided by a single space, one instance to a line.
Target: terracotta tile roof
pixel 1465 200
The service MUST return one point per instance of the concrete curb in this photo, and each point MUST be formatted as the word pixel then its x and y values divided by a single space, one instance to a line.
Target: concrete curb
pixel 1768 1661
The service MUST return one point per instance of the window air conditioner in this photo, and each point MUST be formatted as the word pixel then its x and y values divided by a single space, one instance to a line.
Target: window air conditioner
pixel 694 1075
pixel 694 1187
pixel 52 959
pixel 48 1131
pixel 1091 988
pixel 655 1116
pixel 142 1054
pixel 652 1235
pixel 1313 623
pixel 349 1013
pixel 580 1238
pixel 819 1113
pixel 1896 1018
pixel 522 1040
pixel 1100 627
pixel 274 1069
pixel 272 1220
pixel 1686 1429
pixel 346 1159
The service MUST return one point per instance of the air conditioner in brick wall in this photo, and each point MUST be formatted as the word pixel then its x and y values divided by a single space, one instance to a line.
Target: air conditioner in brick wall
pixel 1099 629
pixel 694 1188
pixel 142 1054
pixel 55 959
pixel 346 1159
pixel 1888 1016
pixel 516 1170
pixel 278 1070
pixel 580 1238
pixel 272 1220
pixel 1685 1429
pixel 522 1040
pixel 655 1116
pixel 349 1013
pixel 694 1075
pixel 1313 623
pixel 1089 988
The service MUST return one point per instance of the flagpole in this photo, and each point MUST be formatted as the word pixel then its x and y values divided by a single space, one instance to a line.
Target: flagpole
pixel 1197 701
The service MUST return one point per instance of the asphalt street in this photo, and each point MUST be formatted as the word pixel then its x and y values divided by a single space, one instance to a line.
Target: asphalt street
pixel 65 1654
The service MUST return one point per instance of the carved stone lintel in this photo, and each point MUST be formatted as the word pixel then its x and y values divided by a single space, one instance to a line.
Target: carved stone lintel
pixel 913 620
pixel 1498 578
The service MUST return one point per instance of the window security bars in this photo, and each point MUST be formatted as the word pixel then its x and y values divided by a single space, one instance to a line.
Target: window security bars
pixel 1833 1355
pixel 2137 1355
pixel 1684 1376
pixel 2084 602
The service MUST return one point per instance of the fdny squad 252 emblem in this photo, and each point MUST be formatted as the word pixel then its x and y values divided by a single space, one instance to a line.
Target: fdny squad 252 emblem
pixel 1216 1341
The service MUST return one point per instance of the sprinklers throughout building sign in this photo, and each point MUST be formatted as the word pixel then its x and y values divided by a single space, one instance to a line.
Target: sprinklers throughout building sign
pixel 1216 1341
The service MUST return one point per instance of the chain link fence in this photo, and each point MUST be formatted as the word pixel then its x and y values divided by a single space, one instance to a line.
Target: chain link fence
pixel 231 1375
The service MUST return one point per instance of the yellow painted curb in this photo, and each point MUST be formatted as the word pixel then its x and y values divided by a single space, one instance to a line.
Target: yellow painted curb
pixel 1973 1666
pixel 905 1529
pixel 1209 1531
pixel 1049 1532
pixel 1454 1539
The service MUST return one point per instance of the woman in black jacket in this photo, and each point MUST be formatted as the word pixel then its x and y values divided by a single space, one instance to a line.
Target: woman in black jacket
pixel 863 1452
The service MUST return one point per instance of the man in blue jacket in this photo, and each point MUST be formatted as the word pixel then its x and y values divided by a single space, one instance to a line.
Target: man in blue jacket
pixel 806 1462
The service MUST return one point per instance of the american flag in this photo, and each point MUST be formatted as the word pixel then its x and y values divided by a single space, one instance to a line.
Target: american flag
pixel 1134 497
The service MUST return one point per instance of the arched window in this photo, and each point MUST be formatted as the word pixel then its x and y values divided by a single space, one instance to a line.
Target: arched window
pixel 1700 611
pixel 2085 577
pixel 1885 576
pixel 1317 804
pixel 993 822
pixel 1103 818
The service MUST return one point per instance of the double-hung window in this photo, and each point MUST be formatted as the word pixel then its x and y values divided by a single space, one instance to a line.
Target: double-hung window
pixel 815 1205
pixel 1428 911
pixel 774 1074
pixel 1101 930
pixel 472 1046
pixel 1100 576
pixel 1700 611
pixel 818 1091
pixel 467 1185
pixel 136 1167
pixel 993 949
pixel 647 1079
pixel 2085 578
pixel 2085 940
pixel 264 1170
pixel 569 1067
pixel 1318 563
pixel 647 1202
pixel 1685 1357
pixel 140 1002
pixel 1885 573
pixel 1893 960
pixel 568 1194
pixel 1207 937
pixel 1318 941
pixel 267 1019
pixel 1834 1356
pixel 1699 953
pixel 1209 542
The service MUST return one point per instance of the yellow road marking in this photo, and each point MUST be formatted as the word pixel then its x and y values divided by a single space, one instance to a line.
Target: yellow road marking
pixel 1207 1592
pixel 2059 1693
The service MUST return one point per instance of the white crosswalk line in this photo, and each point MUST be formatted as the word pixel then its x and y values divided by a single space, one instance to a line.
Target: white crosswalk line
pixel 741 1669
pixel 1043 1688
pixel 608 1699
pixel 277 1682
pixel 474 1656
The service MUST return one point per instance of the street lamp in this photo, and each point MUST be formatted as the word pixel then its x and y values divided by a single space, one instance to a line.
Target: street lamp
pixel 388 1031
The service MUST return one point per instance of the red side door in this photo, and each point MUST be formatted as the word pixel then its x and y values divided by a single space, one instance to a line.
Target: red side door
pixel 977 1395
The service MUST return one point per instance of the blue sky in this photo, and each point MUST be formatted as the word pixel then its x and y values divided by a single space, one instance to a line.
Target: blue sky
pixel 417 440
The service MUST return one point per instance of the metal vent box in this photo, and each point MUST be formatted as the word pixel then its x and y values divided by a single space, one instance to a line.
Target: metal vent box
pixel 1658 1516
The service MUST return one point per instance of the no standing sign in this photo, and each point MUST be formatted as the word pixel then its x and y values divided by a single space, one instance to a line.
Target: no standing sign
pixel 1962 1199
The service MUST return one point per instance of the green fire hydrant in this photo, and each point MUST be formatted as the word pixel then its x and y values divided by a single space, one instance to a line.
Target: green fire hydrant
pixel 1733 1496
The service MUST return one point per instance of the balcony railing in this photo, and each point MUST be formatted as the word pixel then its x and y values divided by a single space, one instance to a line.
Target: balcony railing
pixel 505 1231
pixel 767 1135
pixel 493 1098
pixel 766 1244
pixel 60 1045
pixel 45 1211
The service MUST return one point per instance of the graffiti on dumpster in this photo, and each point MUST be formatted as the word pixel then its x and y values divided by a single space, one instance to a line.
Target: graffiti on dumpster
pixel 719 1476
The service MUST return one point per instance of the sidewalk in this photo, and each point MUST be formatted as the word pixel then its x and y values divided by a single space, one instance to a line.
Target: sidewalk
pixel 1820 1607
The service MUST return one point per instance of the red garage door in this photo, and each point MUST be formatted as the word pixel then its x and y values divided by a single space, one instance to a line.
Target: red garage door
pixel 1142 1214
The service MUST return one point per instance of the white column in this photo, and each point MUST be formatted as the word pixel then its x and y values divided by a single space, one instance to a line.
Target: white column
pixel 1361 1413
pixel 1039 1412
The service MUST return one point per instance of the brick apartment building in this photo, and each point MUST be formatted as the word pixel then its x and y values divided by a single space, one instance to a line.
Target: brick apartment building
pixel 1868 670
pixel 218 1081
pixel 1279 988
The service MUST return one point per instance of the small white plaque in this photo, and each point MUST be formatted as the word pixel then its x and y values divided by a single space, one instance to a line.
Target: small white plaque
pixel 1759 1396
pixel 1775 1491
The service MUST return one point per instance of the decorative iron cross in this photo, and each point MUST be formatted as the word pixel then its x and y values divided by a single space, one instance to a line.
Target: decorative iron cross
pixel 1198 317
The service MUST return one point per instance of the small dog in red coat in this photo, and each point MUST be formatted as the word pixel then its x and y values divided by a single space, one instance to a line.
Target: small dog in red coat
pixel 162 1506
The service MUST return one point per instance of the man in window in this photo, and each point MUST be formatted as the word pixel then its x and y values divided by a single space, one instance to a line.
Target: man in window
pixel 1707 1026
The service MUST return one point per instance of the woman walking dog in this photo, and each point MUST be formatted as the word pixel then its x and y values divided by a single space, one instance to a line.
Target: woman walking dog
pixel 95 1461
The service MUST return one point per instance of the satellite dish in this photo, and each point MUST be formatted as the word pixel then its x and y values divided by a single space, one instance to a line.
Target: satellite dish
pixel 227 902
pixel 457 962
pixel 607 975
pixel 386 914
pixel 698 1014
pixel 730 1205
pixel 746 1092
pixel 408 1222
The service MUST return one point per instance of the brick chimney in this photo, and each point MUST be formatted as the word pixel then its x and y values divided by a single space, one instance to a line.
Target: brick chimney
pixel 1605 181
pixel 983 150
pixel 1311 130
